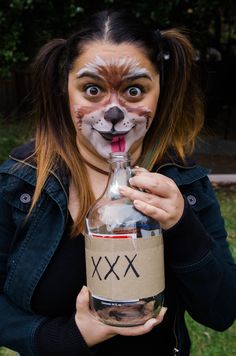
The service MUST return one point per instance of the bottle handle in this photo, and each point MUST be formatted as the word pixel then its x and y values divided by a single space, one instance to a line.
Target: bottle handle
pixel 87 227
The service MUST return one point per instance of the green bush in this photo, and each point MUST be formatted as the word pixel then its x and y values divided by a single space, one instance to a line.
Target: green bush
pixel 12 134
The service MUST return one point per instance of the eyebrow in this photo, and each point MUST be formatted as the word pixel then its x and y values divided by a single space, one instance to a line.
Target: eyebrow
pixel 130 77
pixel 86 73
pixel 137 76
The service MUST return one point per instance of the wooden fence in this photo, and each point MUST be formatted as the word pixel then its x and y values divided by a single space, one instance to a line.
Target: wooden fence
pixel 15 99
pixel 14 94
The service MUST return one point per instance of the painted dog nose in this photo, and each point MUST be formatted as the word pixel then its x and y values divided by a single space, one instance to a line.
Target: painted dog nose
pixel 114 115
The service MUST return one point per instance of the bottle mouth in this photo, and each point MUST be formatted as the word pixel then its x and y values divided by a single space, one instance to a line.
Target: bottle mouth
pixel 118 156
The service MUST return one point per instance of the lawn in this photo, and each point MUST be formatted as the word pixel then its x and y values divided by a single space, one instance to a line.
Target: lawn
pixel 205 342
pixel 13 134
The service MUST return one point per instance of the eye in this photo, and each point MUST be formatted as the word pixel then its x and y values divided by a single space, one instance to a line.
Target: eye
pixel 134 92
pixel 92 90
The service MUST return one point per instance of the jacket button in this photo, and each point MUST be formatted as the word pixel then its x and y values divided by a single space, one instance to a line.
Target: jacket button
pixel 25 198
pixel 191 199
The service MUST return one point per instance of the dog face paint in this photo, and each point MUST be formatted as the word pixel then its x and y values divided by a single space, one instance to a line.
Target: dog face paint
pixel 113 92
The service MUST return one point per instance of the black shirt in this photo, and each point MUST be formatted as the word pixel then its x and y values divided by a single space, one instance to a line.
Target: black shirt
pixel 55 297
pixel 56 292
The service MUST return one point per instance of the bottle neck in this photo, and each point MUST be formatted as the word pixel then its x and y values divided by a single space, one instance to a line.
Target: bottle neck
pixel 120 173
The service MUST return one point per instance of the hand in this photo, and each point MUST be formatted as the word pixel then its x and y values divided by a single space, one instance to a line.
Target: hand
pixel 94 331
pixel 159 197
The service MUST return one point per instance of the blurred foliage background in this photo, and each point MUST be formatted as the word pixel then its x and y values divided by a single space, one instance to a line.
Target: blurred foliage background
pixel 26 25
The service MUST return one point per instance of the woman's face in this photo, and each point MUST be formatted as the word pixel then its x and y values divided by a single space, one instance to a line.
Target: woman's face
pixel 113 92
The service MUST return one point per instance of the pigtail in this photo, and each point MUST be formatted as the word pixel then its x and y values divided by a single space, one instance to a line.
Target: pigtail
pixel 48 75
pixel 180 108
pixel 49 107
pixel 55 132
pixel 181 55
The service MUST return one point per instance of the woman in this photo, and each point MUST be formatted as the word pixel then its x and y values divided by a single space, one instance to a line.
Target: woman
pixel 114 85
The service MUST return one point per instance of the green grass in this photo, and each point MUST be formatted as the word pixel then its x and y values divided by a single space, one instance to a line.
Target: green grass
pixel 227 198
pixel 205 342
pixel 13 134
pixel 6 352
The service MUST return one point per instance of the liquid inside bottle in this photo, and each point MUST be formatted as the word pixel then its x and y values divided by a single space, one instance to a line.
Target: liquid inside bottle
pixel 124 255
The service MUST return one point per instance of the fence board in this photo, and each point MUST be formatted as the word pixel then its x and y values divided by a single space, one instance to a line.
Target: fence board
pixel 14 94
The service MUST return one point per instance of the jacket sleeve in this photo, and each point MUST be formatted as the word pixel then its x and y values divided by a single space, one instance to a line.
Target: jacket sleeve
pixel 32 334
pixel 199 256
pixel 19 329
pixel 60 336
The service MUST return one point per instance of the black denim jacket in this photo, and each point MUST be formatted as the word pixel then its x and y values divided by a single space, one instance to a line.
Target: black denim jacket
pixel 200 271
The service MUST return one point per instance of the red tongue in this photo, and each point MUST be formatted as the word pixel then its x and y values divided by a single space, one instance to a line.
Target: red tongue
pixel 118 144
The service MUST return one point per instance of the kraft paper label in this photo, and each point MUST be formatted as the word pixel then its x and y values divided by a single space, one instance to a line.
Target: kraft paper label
pixel 125 268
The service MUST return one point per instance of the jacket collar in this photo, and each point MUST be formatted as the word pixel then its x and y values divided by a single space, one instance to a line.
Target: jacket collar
pixel 182 172
pixel 25 154
pixel 172 159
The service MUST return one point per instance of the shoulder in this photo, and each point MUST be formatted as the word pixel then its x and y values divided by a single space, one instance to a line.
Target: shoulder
pixel 19 154
pixel 19 166
pixel 25 151
pixel 192 180
pixel 183 174
pixel 17 178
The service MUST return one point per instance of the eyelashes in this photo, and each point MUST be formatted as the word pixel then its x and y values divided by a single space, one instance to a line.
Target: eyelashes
pixel 92 90
pixel 131 92
pixel 134 91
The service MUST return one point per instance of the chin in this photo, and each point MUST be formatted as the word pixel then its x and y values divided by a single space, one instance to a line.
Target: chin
pixel 103 151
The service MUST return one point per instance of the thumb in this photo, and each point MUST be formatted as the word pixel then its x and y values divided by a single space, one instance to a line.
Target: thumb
pixel 82 300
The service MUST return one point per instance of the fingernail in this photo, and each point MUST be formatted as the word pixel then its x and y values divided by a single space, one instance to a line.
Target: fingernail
pixel 155 322
pixel 137 204
pixel 152 323
pixel 84 289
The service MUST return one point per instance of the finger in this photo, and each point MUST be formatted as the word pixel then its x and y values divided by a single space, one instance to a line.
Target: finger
pixel 154 212
pixel 82 300
pixel 155 183
pixel 162 313
pixel 142 329
pixel 139 170
pixel 155 321
pixel 146 197
pixel 137 330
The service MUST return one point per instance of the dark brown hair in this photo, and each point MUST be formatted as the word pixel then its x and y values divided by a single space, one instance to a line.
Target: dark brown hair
pixel 179 115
